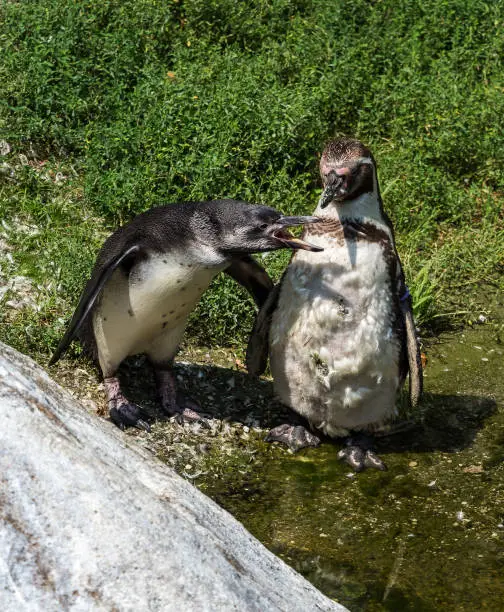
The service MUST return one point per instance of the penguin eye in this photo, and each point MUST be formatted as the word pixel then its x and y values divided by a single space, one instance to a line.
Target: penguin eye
pixel 263 226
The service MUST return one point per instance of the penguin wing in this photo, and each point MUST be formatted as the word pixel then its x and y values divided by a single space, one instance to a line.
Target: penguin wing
pixel 413 352
pixel 258 344
pixel 99 278
pixel 252 276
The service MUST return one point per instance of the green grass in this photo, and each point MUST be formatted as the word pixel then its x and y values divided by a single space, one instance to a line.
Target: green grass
pixel 148 102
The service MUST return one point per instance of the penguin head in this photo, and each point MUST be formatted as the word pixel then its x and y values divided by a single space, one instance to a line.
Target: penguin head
pixel 347 169
pixel 257 229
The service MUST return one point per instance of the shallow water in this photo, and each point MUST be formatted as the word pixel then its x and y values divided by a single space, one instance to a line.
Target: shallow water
pixel 428 534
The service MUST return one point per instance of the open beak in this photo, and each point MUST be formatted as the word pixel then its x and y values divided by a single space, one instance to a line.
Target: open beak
pixel 291 241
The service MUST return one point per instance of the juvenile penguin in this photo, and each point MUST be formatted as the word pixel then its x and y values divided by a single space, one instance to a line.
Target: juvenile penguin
pixel 151 273
pixel 339 326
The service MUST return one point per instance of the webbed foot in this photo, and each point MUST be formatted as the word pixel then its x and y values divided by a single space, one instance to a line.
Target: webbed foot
pixel 122 412
pixel 359 454
pixel 295 437
pixel 187 411
pixel 128 415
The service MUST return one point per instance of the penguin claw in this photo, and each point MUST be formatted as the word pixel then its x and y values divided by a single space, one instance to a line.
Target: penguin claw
pixel 128 415
pixel 143 425
pixel 371 460
pixel 354 457
pixel 295 437
pixel 360 458
pixel 188 415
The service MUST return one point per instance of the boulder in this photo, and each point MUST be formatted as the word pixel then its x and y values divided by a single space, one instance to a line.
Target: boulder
pixel 90 521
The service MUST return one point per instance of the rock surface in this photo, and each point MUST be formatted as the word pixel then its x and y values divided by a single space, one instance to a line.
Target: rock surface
pixel 90 521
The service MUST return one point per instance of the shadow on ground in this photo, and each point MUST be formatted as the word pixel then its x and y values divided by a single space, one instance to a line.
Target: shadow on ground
pixel 447 423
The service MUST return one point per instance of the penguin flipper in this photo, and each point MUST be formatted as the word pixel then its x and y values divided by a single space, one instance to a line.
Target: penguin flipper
pixel 89 297
pixel 252 276
pixel 258 344
pixel 413 353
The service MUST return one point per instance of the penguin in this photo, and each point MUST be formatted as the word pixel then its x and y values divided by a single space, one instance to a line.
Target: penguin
pixel 149 276
pixel 339 326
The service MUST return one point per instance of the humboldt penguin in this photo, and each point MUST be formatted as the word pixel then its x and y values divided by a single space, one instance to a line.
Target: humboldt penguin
pixel 149 276
pixel 339 326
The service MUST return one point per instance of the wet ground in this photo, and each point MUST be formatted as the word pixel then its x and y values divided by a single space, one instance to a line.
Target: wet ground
pixel 428 534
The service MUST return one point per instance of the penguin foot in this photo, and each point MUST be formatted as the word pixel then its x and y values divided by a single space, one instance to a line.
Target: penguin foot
pixel 295 437
pixel 188 415
pixel 128 415
pixel 359 455
pixel 186 411
pixel 122 412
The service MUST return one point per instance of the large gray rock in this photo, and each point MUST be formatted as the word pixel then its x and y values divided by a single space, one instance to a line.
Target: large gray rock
pixel 88 522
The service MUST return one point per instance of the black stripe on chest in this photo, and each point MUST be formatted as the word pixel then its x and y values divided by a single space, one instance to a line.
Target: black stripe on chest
pixel 361 231
pixel 348 230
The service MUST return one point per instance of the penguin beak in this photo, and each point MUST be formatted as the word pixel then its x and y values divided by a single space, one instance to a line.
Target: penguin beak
pixel 291 241
pixel 330 192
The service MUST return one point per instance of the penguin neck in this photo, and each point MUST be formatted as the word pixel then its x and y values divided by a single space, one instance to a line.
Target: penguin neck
pixel 366 208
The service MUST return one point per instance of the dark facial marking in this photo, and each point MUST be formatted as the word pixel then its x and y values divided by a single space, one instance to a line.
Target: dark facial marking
pixel 340 161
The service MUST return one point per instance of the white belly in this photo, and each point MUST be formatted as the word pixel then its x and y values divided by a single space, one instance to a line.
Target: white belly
pixel 334 356
pixel 147 312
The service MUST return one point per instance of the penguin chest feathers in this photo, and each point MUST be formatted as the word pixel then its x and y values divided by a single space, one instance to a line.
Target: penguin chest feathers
pixel 147 309
pixel 333 347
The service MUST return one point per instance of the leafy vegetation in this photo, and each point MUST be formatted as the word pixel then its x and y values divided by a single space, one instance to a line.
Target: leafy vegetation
pixel 110 108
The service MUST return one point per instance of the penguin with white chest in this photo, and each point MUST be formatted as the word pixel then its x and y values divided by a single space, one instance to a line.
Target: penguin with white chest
pixel 339 326
pixel 151 273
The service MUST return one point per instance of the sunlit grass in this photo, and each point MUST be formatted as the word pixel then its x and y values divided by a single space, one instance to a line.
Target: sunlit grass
pixel 111 108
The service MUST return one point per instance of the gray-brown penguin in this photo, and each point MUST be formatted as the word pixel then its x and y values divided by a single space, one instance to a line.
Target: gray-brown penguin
pixel 151 273
pixel 339 326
